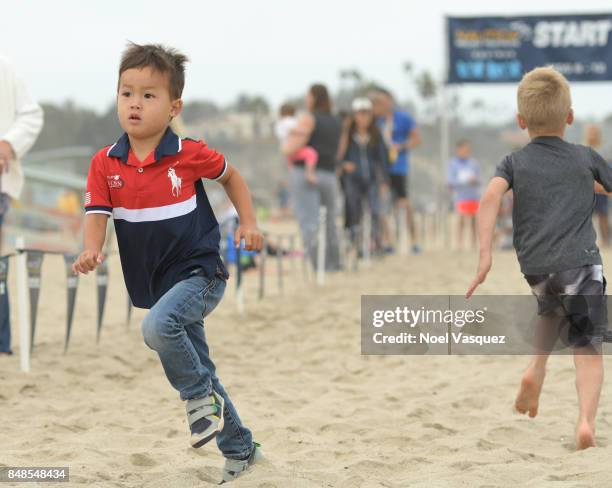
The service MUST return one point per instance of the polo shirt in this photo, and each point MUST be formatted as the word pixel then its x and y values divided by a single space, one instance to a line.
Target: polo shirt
pixel 166 228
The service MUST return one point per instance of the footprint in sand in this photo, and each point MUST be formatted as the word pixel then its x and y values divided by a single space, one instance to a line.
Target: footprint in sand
pixel 471 403
pixel 29 389
pixel 485 445
pixel 419 413
pixel 141 459
pixel 506 434
pixel 441 428
pixel 172 433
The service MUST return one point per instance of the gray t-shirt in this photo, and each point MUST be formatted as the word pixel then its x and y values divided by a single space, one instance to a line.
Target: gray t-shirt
pixel 553 182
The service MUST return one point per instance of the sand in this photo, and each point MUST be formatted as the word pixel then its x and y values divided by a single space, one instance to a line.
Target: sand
pixel 325 415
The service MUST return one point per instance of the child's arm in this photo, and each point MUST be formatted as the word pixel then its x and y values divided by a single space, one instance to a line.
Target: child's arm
pixel 95 234
pixel 487 215
pixel 601 190
pixel 239 194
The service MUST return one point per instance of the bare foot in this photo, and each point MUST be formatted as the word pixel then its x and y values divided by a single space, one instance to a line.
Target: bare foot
pixel 529 392
pixel 585 435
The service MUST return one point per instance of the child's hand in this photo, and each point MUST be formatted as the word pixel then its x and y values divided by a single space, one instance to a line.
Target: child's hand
pixel 349 167
pixel 311 176
pixel 484 266
pixel 6 156
pixel 253 238
pixel 87 261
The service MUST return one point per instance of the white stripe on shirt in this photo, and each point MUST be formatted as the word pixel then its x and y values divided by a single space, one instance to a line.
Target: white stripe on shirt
pixel 155 213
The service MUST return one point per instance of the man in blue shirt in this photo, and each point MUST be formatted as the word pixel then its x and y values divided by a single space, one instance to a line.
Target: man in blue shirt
pixel 401 134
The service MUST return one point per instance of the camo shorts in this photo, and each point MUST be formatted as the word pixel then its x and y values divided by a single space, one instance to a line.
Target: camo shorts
pixel 577 295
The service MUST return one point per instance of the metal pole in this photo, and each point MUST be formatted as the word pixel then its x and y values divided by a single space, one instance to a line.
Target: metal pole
pixel 367 234
pixel 444 138
pixel 279 263
pixel 239 293
pixel 292 252
pixel 262 267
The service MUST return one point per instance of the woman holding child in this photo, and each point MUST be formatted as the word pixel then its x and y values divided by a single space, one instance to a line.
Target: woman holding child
pixel 320 130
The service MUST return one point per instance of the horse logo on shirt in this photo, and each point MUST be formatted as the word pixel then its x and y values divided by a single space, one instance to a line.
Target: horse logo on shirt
pixel 176 182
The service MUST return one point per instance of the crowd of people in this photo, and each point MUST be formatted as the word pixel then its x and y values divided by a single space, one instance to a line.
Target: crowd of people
pixel 169 237
pixel 361 160
pixel 365 153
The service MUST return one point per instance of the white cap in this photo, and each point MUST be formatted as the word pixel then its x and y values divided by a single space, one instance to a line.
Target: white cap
pixel 360 104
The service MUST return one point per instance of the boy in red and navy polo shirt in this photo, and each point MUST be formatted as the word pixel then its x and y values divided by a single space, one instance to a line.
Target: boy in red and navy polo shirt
pixel 150 181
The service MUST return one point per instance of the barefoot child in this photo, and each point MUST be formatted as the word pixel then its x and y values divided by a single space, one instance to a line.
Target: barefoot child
pixel 150 182
pixel 553 183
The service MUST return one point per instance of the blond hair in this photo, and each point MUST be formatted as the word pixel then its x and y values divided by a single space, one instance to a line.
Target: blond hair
pixel 544 99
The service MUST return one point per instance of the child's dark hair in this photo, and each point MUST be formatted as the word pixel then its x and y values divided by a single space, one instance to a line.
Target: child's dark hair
pixel 159 58
pixel 462 142
pixel 287 110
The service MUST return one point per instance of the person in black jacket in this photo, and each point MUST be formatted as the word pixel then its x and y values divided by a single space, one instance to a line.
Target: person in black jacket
pixel 364 170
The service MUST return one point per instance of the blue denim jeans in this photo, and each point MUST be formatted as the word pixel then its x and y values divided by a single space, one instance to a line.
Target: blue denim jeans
pixel 174 328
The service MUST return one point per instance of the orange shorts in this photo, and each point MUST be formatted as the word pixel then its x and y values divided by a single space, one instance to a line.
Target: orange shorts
pixel 467 207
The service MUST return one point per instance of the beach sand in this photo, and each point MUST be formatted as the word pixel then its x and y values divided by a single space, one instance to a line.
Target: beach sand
pixel 325 415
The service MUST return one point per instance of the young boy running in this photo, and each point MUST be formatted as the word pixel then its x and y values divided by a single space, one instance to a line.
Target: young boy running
pixel 552 181
pixel 150 182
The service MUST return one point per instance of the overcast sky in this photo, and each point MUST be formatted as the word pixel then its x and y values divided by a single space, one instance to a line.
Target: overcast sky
pixel 71 49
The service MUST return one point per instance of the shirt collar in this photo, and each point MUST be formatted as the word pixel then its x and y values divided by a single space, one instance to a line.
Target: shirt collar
pixel 169 145
pixel 548 139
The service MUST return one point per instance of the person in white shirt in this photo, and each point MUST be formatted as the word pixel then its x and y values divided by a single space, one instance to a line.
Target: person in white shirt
pixel 21 120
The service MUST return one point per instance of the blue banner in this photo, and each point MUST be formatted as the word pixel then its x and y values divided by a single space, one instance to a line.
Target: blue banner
pixel 502 49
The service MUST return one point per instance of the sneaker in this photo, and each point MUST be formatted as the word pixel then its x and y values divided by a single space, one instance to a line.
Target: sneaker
pixel 236 467
pixel 205 417
pixel 416 249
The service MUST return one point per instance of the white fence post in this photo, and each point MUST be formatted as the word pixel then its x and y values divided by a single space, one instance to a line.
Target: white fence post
pixel 321 246
pixel 24 308
pixel 366 239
